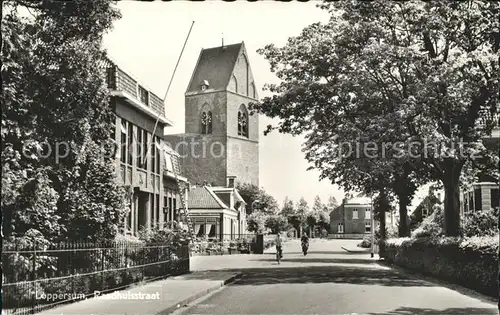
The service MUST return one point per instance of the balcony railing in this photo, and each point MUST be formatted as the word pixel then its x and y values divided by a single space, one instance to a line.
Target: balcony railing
pixel 119 80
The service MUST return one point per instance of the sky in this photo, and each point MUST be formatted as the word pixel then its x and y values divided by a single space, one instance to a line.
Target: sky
pixel 148 40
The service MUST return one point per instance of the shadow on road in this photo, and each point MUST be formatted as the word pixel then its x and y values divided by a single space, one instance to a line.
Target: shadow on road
pixel 331 252
pixel 448 311
pixel 321 260
pixel 320 274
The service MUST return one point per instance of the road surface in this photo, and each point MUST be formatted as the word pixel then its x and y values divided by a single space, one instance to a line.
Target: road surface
pixel 329 280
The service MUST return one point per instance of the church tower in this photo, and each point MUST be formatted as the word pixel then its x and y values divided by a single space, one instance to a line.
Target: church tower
pixel 221 140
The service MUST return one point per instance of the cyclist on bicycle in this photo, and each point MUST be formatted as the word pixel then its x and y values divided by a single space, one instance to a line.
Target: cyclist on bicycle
pixel 304 240
pixel 279 243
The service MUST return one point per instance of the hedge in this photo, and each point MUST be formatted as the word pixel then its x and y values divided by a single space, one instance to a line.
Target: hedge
pixel 471 262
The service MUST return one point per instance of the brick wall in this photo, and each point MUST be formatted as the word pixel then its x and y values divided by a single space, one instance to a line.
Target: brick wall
pixel 203 158
pixel 193 107
pixel 243 160
pixel 344 214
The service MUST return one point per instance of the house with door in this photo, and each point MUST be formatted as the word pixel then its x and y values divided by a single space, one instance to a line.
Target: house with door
pixel 353 218
pixel 483 194
pixel 217 212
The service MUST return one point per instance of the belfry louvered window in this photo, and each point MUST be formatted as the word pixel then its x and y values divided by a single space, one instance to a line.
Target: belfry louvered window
pixel 243 121
pixel 206 122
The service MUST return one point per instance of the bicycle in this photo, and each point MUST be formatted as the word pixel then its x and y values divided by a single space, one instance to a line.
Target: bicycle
pixel 278 255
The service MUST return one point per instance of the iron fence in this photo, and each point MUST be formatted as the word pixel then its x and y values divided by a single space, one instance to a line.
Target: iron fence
pixel 40 277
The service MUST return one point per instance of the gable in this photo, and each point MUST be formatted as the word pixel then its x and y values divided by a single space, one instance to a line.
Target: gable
pixel 241 79
pixel 214 65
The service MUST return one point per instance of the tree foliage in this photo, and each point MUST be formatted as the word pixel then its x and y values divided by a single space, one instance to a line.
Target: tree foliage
pixel 260 199
pixel 58 174
pixel 421 76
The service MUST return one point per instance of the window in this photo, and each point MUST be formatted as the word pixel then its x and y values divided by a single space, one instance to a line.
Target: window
pixel 152 210
pixel 477 200
pixel 157 154
pixel 143 95
pixel 367 227
pixel 425 212
pixel 157 207
pixel 168 161
pixel 130 139
pixel 368 214
pixel 243 121
pixel 170 209
pixel 139 148
pixel 355 213
pixel 471 201
pixel 123 142
pixel 174 205
pixel 145 151
pixel 495 196
pixel 340 227
pixel 166 209
pixel 206 122
pixel 153 155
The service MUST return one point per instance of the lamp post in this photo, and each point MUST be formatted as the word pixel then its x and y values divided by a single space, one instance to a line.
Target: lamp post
pixel 372 218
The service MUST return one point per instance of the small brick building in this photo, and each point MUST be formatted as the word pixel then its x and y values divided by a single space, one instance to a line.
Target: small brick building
pixel 352 217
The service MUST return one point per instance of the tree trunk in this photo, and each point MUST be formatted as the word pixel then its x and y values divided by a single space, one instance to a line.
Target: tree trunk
pixel 451 180
pixel 403 230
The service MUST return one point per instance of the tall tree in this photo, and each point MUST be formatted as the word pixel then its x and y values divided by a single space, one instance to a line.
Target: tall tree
pixel 410 74
pixel 57 155
pixel 258 197
pixel 332 203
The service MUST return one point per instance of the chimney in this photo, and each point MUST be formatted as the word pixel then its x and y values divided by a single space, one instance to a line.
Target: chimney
pixel 230 181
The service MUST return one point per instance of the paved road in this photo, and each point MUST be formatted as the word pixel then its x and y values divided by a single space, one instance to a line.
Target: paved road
pixel 329 281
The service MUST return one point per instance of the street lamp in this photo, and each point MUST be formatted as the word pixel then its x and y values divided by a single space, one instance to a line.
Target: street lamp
pixel 372 227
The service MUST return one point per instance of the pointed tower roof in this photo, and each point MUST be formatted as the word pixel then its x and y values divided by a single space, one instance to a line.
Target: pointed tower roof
pixel 215 65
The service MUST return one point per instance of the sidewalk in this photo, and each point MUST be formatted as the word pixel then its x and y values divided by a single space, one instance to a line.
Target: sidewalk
pixel 159 297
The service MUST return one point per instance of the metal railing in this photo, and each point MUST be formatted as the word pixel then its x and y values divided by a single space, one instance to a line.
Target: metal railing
pixel 37 277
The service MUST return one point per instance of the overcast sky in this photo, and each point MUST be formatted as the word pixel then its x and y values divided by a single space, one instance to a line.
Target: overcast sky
pixel 147 42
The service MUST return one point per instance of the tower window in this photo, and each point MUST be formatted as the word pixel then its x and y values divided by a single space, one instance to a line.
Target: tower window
pixel 204 85
pixel 206 122
pixel 243 121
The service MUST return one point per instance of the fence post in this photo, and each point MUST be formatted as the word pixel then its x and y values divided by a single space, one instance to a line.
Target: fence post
pixel 102 268
pixel 72 261
pixel 33 278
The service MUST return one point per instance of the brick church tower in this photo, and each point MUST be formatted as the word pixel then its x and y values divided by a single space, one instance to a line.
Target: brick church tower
pixel 221 140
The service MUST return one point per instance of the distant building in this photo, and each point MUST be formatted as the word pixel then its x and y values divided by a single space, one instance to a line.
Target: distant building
pixel 142 159
pixel 484 194
pixel 424 209
pixel 352 217
pixel 217 212
pixel 221 140
pixel 479 196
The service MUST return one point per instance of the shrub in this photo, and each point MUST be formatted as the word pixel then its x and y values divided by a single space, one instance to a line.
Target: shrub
pixel 366 242
pixel 432 226
pixel 480 223
pixel 471 262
